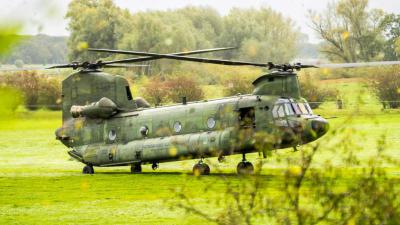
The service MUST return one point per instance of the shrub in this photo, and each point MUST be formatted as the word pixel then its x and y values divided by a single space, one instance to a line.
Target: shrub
pixel 158 90
pixel 181 86
pixel 236 85
pixel 386 85
pixel 155 91
pixel 314 94
pixel 19 63
pixel 50 93
pixel 37 89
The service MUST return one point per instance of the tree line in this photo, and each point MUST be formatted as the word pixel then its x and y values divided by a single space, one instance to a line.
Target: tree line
pixel 38 49
pixel 260 34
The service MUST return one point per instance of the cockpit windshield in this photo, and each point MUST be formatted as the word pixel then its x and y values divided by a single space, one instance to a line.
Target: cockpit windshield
pixel 290 108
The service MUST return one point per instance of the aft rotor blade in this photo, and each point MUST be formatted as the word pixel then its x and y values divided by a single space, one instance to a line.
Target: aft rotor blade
pixel 148 58
pixel 354 65
pixel 124 66
pixel 182 58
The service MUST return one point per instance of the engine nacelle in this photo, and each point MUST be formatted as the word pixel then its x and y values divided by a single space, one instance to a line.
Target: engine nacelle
pixel 104 108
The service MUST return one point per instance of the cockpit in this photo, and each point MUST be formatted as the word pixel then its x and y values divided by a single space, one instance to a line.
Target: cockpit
pixel 288 107
pixel 296 119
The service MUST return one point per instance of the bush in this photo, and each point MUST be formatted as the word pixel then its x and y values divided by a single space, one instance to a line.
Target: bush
pixel 238 85
pixel 386 85
pixel 158 90
pixel 19 63
pixel 314 94
pixel 155 91
pixel 181 86
pixel 38 90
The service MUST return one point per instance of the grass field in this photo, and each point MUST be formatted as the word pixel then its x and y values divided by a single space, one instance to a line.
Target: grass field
pixel 39 184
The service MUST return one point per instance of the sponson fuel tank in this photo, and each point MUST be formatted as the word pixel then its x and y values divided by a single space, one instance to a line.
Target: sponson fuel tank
pixel 103 109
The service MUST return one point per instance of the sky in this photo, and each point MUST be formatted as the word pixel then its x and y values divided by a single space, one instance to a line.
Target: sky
pixel 47 16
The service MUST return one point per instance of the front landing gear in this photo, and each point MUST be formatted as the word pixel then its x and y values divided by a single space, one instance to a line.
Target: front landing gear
pixel 245 167
pixel 136 168
pixel 88 169
pixel 201 168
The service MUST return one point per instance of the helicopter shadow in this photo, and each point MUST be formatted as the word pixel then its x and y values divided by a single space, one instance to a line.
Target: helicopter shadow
pixel 168 173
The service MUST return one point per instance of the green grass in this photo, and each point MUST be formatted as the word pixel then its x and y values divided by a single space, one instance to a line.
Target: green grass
pixel 39 184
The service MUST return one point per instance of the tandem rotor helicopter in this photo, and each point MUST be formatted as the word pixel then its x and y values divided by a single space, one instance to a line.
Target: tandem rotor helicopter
pixel 105 126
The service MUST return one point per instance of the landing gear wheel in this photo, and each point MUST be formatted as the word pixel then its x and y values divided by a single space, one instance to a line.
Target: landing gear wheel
pixel 88 169
pixel 201 169
pixel 154 166
pixel 136 168
pixel 245 168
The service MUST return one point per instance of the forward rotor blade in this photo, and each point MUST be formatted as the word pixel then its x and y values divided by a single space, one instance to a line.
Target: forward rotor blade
pixel 178 57
pixel 176 53
pixel 354 65
pixel 23 69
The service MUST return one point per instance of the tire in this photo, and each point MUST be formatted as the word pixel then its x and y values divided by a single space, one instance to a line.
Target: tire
pixel 88 170
pixel 245 168
pixel 201 169
pixel 136 168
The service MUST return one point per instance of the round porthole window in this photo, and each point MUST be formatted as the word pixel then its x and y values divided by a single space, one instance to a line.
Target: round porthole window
pixel 177 127
pixel 144 131
pixel 112 135
pixel 211 123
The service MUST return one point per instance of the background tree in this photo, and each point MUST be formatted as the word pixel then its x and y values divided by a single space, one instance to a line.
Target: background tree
pixel 391 25
pixel 350 32
pixel 92 24
pixel 262 34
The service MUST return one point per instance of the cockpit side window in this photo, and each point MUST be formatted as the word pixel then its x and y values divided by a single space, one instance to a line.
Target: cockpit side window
pixel 289 110
pixel 281 112
pixel 128 93
pixel 296 108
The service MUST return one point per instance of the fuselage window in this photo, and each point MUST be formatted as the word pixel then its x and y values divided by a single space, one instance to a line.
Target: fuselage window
pixel 177 127
pixel 211 123
pixel 112 134
pixel 144 131
pixel 281 112
pixel 289 110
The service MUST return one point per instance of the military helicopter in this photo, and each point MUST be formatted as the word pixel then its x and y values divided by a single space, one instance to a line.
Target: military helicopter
pixel 105 126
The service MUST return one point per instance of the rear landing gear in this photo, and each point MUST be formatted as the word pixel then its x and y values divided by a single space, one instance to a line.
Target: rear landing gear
pixel 245 167
pixel 136 168
pixel 88 169
pixel 154 166
pixel 201 168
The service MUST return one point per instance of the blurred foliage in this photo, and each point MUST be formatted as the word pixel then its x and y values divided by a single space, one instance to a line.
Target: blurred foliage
pixel 350 31
pixel 38 90
pixel 313 92
pixel 311 190
pixel 386 84
pixel 10 99
pixel 8 37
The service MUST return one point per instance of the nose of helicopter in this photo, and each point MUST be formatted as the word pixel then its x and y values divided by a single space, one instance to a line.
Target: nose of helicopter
pixel 317 128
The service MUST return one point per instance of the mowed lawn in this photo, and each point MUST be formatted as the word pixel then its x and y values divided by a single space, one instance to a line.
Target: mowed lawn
pixel 40 184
